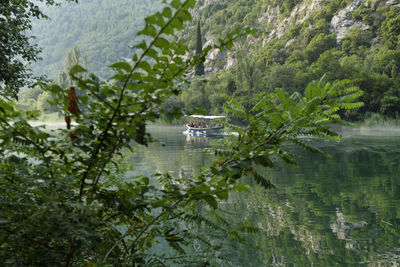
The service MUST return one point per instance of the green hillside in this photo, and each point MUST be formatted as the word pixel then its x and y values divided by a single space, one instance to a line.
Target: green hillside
pixel 101 28
pixel 299 41
pixel 296 42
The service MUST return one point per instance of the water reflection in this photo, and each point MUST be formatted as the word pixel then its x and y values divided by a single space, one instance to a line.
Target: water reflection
pixel 195 140
pixel 343 210
pixel 338 211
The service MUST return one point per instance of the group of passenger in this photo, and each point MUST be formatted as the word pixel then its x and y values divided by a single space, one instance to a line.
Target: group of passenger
pixel 202 125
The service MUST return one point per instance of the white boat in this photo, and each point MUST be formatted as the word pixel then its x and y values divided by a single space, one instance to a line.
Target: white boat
pixel 206 128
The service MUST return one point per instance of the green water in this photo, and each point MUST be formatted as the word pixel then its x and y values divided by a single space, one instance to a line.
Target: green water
pixel 338 211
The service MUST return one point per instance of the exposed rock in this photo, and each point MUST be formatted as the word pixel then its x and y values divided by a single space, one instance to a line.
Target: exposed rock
pixel 343 21
pixel 215 55
pixel 209 2
pixel 374 40
pixel 393 3
pixel 209 42
pixel 277 27
pixel 230 62
pixel 289 43
pixel 298 15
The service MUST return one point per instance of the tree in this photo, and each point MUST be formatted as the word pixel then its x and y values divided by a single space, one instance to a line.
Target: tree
pixel 320 43
pixel 391 29
pixel 248 73
pixel 67 194
pixel 199 69
pixel 16 52
pixel 328 64
pixel 72 58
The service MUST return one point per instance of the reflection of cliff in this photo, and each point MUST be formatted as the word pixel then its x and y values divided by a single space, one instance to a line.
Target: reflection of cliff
pixel 278 222
pixel 342 229
pixel 338 211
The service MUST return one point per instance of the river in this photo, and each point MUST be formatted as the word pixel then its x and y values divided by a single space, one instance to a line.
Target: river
pixel 342 210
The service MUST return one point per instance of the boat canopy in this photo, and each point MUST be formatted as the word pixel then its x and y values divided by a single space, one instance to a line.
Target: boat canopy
pixel 207 117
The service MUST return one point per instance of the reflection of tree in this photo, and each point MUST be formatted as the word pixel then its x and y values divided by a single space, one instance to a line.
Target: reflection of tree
pixel 173 154
pixel 339 210
pixel 343 210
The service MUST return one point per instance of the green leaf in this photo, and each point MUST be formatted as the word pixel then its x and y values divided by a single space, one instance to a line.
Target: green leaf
pixel 122 65
pixel 142 46
pixel 161 43
pixel 144 65
pixel 76 69
pixel 190 4
pixel 223 195
pixel 149 30
pixel 241 187
pixel 167 12
pixel 177 24
pixel 176 4
pixel 211 201
pixel 184 15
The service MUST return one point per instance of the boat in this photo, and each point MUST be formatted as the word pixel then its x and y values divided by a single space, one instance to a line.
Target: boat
pixel 204 128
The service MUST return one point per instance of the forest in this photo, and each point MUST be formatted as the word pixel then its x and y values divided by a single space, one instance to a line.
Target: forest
pixel 369 57
pixel 68 195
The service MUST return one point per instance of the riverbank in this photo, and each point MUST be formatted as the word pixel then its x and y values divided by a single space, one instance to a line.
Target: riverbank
pixel 378 120
pixel 370 131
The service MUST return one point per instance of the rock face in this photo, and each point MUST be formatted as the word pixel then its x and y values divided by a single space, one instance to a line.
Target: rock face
pixel 276 27
pixel 298 15
pixel 343 21
pixel 209 2
pixel 393 3
pixel 213 57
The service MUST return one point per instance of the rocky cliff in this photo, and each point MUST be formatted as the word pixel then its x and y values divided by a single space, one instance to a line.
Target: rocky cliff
pixel 274 25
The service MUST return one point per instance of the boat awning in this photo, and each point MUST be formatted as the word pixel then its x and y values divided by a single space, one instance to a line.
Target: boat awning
pixel 207 117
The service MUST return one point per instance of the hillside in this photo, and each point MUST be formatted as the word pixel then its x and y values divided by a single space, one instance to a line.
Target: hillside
pixel 297 41
pixel 102 29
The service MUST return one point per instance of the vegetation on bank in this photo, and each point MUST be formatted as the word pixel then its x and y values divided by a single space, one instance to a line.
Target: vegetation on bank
pixel 369 58
pixel 68 197
pixel 378 120
pixel 306 51
pixel 16 48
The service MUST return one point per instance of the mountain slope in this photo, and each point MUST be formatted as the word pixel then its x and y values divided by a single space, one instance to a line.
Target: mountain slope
pixel 103 29
pixel 298 41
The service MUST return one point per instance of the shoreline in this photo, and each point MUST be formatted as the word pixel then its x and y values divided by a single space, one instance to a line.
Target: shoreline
pixel 344 131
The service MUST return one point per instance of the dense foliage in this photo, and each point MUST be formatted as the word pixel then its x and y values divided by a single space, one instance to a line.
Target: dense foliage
pixel 304 52
pixel 105 30
pixel 16 51
pixel 69 199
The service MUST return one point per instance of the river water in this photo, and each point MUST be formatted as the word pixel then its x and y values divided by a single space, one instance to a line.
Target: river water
pixel 342 210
